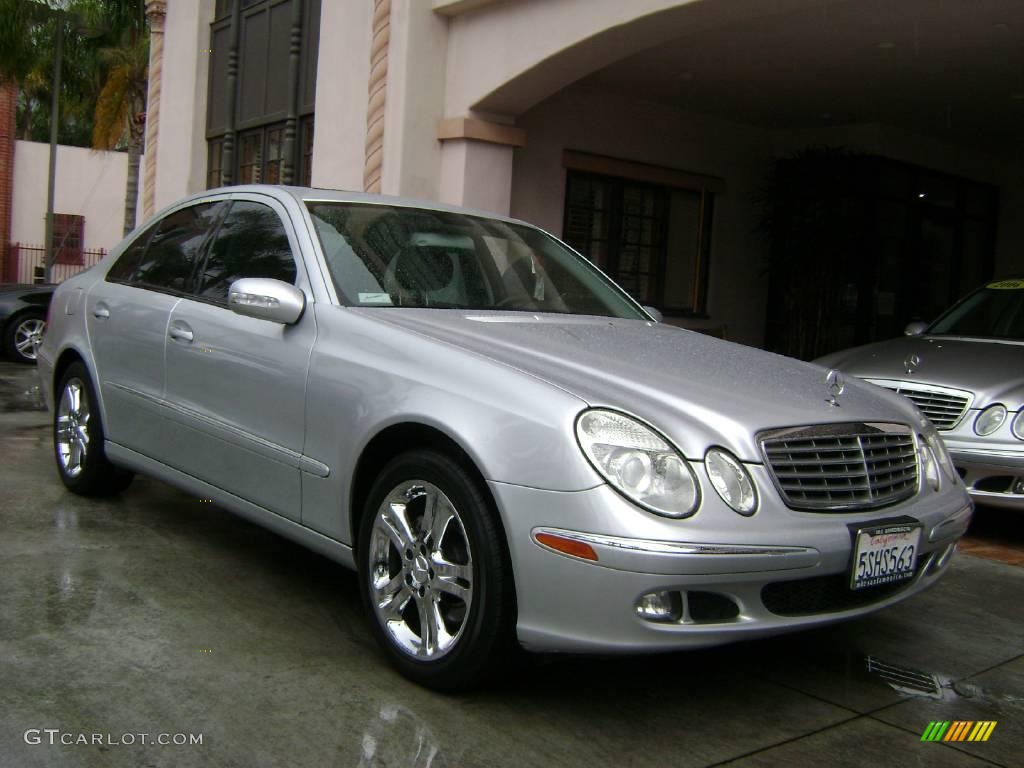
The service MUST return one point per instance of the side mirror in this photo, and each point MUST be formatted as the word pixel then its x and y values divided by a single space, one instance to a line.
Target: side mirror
pixel 655 313
pixel 266 299
pixel 915 328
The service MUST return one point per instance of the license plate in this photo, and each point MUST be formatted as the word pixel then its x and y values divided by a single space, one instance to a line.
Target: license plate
pixel 885 554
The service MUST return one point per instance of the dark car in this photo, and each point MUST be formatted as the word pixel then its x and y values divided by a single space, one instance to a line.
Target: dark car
pixel 23 311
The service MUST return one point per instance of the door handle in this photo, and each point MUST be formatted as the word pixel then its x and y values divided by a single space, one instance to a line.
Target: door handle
pixel 180 334
pixel 100 312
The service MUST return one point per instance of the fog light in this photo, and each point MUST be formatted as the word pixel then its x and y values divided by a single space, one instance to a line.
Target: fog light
pixel 660 606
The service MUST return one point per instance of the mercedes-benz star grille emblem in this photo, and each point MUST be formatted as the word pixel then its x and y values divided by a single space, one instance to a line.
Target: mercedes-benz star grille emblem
pixel 835 384
pixel 912 362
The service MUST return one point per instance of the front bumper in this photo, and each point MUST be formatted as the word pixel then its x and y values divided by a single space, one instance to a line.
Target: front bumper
pixel 568 604
pixel 992 474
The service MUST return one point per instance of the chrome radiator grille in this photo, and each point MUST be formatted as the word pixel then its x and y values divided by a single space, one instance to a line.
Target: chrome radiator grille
pixel 836 467
pixel 944 406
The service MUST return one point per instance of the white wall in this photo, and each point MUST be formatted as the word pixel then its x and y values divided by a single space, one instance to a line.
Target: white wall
pixel 90 183
pixel 608 123
pixel 343 73
pixel 181 145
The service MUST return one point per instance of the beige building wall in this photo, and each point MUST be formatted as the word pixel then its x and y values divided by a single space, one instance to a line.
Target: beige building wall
pixel 415 100
pixel 608 123
pixel 343 72
pixel 90 183
pixel 515 63
pixel 181 149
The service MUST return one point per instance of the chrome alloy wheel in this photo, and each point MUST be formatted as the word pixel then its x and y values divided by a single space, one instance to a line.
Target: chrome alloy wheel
pixel 72 433
pixel 421 570
pixel 28 335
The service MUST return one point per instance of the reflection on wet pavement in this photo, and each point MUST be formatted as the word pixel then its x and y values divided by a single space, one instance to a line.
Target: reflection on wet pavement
pixel 397 737
pixel 155 612
pixel 20 389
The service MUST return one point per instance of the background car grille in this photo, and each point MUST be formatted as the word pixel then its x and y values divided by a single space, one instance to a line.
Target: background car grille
pixel 945 407
pixel 842 466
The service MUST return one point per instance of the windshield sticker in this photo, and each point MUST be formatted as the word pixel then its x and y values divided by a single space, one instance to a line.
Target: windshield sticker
pixel 374 298
pixel 1007 285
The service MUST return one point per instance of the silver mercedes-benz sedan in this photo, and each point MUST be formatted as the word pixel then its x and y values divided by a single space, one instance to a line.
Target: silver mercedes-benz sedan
pixel 966 372
pixel 505 446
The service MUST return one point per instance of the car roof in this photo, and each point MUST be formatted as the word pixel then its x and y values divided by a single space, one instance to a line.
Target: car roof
pixel 311 194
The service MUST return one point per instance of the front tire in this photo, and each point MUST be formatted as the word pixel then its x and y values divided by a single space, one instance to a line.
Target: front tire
pixel 434 573
pixel 78 439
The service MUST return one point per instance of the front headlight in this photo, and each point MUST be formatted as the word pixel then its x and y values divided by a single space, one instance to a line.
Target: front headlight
pixel 940 453
pixel 990 420
pixel 638 462
pixel 1018 425
pixel 732 481
pixel 929 464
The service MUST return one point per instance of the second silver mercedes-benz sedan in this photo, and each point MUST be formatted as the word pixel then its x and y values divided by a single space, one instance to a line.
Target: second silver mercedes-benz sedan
pixel 505 446
pixel 966 372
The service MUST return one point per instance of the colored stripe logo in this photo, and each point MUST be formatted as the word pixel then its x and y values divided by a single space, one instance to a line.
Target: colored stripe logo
pixel 959 730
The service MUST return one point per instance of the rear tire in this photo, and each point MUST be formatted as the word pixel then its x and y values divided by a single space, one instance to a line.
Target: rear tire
pixel 435 574
pixel 22 333
pixel 78 438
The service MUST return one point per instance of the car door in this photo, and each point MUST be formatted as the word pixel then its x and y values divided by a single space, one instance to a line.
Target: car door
pixel 236 385
pixel 127 315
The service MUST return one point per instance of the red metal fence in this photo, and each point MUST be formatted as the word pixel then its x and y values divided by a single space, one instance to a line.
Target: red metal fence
pixel 25 264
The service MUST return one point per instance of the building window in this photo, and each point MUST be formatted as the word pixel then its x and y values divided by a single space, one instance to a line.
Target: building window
pixel 250 158
pixel 213 165
pixel 272 164
pixel 68 235
pixel 255 90
pixel 653 240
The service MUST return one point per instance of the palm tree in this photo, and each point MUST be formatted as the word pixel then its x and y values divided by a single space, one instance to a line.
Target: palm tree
pixel 27 51
pixel 105 71
pixel 18 52
pixel 120 116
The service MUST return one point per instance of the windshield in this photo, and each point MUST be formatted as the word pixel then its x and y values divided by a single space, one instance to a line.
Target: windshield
pixel 392 256
pixel 997 311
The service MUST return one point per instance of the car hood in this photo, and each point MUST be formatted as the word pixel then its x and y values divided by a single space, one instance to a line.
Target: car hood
pixel 698 390
pixel 992 370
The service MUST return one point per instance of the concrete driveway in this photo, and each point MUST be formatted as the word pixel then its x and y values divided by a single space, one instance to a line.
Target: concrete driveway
pixel 158 613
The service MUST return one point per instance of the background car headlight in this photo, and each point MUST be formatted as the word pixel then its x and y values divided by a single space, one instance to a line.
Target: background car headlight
pixel 929 464
pixel 941 453
pixel 638 462
pixel 732 481
pixel 1018 425
pixel 990 420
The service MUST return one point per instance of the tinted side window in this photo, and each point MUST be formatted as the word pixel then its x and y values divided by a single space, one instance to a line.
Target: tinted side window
pixel 251 242
pixel 173 253
pixel 125 265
